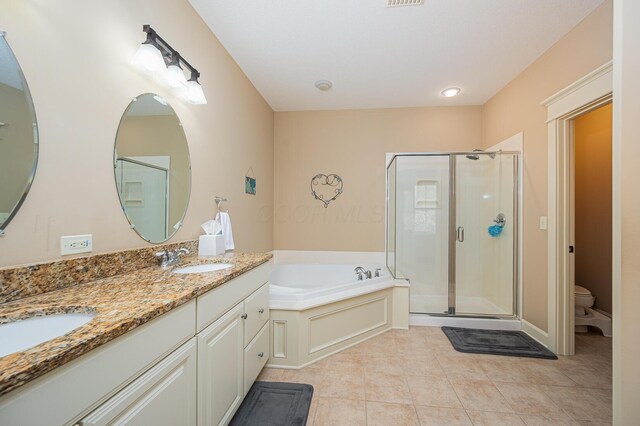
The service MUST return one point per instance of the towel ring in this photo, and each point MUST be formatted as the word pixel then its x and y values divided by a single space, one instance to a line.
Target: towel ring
pixel 219 200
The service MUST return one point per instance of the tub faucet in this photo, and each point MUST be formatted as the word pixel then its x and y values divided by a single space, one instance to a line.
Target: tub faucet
pixel 362 272
pixel 168 258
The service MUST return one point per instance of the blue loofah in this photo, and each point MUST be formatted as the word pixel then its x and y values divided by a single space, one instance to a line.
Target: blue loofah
pixel 495 230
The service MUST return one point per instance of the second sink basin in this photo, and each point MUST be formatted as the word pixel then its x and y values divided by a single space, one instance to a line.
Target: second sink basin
pixel 198 269
pixel 23 334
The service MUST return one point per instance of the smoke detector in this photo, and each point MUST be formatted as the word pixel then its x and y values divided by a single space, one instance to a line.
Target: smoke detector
pixel 397 3
pixel 323 85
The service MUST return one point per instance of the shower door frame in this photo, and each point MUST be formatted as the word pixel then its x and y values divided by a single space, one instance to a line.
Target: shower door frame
pixel 451 266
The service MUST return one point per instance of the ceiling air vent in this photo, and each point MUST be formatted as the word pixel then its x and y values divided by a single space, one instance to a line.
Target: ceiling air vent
pixel 396 3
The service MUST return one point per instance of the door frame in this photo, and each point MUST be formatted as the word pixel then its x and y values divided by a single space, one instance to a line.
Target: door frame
pixel 587 94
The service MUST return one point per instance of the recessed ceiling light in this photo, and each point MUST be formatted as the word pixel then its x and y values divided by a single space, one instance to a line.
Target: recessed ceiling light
pixel 324 85
pixel 451 92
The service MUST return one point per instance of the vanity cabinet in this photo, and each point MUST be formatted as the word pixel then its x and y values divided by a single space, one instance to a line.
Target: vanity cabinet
pixel 191 366
pixel 166 394
pixel 227 366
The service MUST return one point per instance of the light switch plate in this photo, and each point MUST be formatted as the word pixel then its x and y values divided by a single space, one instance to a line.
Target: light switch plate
pixel 74 244
pixel 543 223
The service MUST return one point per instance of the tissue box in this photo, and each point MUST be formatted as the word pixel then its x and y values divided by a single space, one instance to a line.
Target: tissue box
pixel 210 245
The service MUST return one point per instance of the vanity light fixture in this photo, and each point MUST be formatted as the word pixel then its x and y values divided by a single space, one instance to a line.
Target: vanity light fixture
pixel 155 57
pixel 451 92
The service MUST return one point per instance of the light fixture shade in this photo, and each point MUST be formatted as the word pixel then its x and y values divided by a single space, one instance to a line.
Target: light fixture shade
pixel 195 94
pixel 148 59
pixel 175 77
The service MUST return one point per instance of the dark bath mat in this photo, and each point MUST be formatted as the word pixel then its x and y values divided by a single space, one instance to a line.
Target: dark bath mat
pixel 496 342
pixel 271 404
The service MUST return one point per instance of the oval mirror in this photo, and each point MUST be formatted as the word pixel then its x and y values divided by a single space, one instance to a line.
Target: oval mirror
pixel 18 136
pixel 152 168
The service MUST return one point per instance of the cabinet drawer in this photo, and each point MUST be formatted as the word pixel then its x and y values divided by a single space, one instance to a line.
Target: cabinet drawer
pixel 166 394
pixel 255 357
pixel 256 308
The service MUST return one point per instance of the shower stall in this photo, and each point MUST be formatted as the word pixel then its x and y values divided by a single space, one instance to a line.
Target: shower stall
pixel 452 231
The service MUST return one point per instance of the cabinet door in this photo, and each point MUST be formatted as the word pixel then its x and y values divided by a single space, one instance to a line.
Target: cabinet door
pixel 256 306
pixel 220 368
pixel 164 395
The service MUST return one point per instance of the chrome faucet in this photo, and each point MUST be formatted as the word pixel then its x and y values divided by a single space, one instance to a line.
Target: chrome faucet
pixel 360 271
pixel 377 273
pixel 168 258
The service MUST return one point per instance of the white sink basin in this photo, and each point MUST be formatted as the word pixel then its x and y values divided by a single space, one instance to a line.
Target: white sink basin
pixel 23 334
pixel 199 269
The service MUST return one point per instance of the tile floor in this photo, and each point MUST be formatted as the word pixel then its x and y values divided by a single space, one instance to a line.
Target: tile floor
pixel 415 377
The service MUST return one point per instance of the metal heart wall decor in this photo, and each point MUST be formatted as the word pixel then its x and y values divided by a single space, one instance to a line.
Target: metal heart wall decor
pixel 326 188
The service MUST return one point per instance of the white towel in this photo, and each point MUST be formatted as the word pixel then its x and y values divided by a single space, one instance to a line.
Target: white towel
pixel 225 224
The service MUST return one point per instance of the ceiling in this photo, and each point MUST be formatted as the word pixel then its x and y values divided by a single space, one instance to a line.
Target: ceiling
pixel 380 57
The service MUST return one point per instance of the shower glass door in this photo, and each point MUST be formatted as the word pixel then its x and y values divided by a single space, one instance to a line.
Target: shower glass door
pixel 484 234
pixel 421 227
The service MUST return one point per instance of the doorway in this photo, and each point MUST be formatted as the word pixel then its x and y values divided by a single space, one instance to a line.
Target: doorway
pixel 591 220
pixel 563 108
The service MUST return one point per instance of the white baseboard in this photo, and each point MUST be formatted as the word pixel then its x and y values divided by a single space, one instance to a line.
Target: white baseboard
pixel 536 333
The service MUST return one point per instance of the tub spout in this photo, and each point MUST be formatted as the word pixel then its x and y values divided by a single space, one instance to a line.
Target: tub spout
pixel 360 271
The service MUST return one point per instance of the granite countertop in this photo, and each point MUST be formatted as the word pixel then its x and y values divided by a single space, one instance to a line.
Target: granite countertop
pixel 120 303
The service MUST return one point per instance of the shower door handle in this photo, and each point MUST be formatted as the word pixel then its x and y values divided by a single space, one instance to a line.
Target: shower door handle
pixel 460 234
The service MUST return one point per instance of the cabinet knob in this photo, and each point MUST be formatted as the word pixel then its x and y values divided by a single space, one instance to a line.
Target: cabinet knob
pixel 260 354
pixel 261 310
pixel 244 316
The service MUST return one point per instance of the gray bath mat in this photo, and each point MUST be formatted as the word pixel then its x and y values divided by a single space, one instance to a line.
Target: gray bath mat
pixel 496 342
pixel 271 404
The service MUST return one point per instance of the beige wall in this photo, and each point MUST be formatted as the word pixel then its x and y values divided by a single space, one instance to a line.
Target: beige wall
pixel 626 151
pixel 516 108
pixel 593 204
pixel 81 81
pixel 160 135
pixel 352 144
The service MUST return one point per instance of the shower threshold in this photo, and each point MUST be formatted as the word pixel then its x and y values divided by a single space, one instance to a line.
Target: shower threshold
pixel 482 322
pixel 446 315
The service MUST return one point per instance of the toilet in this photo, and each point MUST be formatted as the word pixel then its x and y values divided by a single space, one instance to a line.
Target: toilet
pixel 586 316
pixel 584 300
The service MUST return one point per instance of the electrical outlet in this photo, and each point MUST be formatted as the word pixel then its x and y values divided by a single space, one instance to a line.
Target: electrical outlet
pixel 74 244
